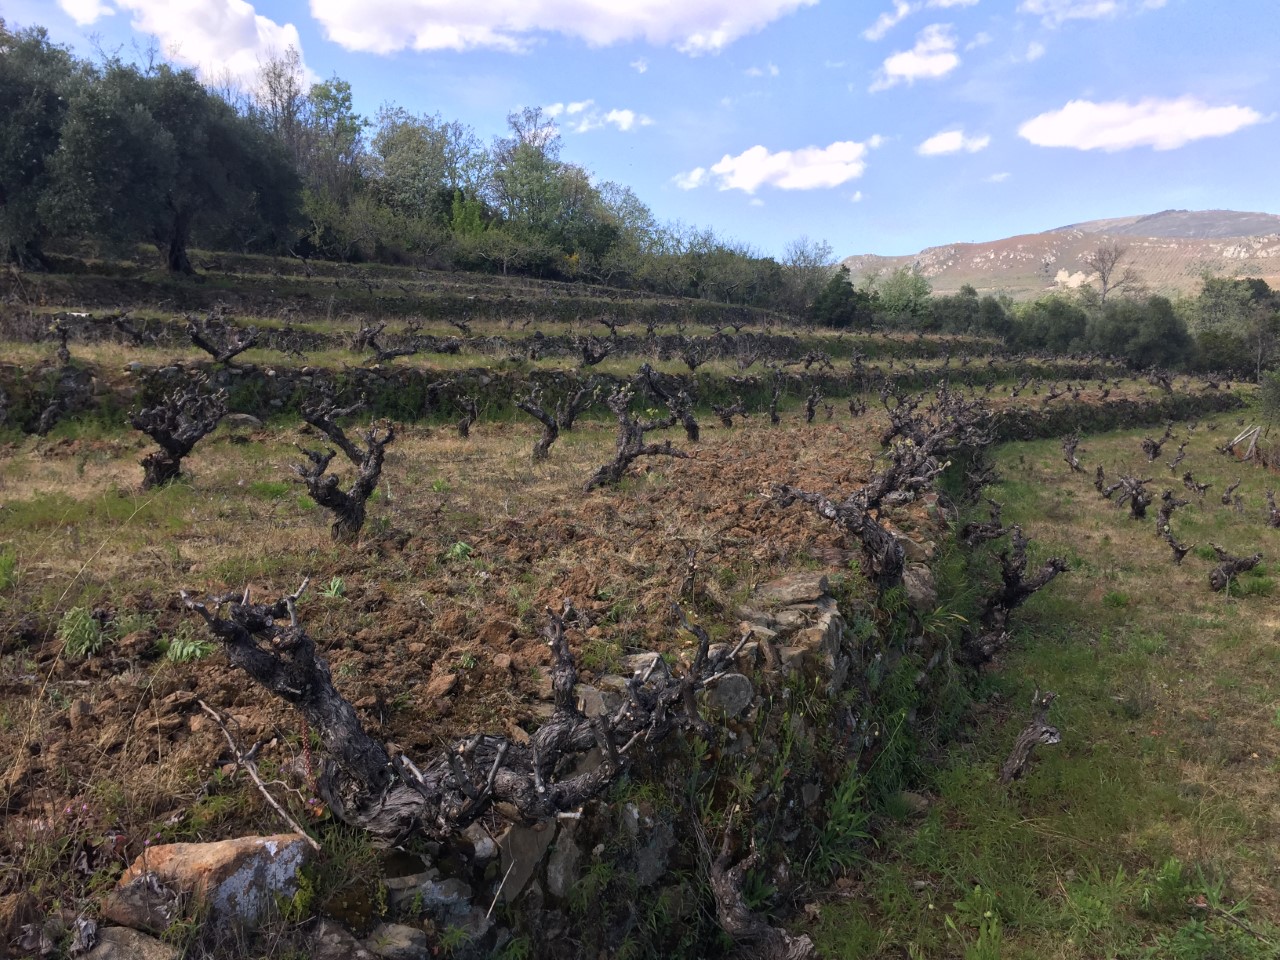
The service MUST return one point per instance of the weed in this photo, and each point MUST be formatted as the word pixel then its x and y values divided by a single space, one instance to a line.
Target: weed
pixel 81 633
pixel 459 551
pixel 187 644
pixel 842 839
pixel 8 567
pixel 334 589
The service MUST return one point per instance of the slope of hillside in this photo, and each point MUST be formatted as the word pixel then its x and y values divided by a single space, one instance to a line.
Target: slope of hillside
pixel 1171 250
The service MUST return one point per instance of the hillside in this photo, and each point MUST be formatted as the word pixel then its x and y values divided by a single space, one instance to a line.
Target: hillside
pixel 1171 250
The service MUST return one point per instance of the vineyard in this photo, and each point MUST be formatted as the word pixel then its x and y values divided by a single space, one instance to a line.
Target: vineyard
pixel 570 621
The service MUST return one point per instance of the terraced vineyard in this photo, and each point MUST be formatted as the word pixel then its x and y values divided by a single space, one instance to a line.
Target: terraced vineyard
pixel 655 718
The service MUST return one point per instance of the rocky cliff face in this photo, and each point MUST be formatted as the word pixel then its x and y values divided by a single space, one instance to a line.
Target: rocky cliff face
pixel 1170 250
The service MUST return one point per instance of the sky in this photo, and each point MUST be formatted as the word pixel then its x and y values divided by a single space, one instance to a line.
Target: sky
pixel 879 126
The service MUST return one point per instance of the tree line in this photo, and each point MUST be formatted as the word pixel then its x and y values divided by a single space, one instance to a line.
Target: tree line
pixel 107 155
pixel 117 153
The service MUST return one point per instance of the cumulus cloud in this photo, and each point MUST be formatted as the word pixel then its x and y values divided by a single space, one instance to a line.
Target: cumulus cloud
pixel 1121 125
pixel 1000 177
pixel 691 180
pixel 769 70
pixel 1035 50
pixel 810 168
pixel 84 12
pixel 513 25
pixel 952 141
pixel 639 65
pixel 980 39
pixel 583 116
pixel 855 197
pixel 217 38
pixel 934 55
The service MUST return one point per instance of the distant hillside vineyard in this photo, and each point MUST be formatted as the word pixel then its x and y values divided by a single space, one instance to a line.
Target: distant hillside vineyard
pixel 1171 250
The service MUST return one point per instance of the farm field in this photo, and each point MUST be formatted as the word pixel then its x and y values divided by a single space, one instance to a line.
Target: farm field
pixel 432 618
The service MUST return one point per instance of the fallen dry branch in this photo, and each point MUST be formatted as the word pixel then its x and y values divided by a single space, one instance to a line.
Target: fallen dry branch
pixel 245 762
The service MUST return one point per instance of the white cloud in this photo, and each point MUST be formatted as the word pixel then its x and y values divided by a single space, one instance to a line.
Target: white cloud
pixel 1000 177
pixel 933 56
pixel 691 180
pixel 215 37
pixel 84 12
pixel 1120 125
pixel 856 197
pixel 952 141
pixel 980 39
pixel 756 202
pixel 512 25
pixel 888 20
pixel 903 9
pixel 769 70
pixel 639 65
pixel 1035 50
pixel 810 168
pixel 590 118
pixel 1056 12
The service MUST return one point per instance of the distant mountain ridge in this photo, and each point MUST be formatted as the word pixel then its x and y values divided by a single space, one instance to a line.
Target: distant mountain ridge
pixel 1171 250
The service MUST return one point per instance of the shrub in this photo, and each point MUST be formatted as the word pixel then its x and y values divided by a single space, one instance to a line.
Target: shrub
pixel 81 633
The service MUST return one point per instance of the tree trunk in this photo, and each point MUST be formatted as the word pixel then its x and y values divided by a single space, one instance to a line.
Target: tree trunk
pixel 173 243
pixel 159 469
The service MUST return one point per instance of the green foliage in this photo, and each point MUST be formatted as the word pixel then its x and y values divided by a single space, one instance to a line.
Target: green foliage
pixel 81 633
pixel 841 306
pixel 335 588
pixel 187 644
pixel 153 156
pixel 843 838
pixel 8 567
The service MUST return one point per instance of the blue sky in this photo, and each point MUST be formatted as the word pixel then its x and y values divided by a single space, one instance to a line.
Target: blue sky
pixel 881 126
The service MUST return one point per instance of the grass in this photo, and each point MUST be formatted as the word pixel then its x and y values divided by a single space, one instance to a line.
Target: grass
pixel 1146 832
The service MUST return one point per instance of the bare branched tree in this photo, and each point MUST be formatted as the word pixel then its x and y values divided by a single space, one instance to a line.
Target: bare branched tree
pixel 177 423
pixel 555 420
pixel 347 507
pixel 1107 261
pixel 1229 567
pixel 630 445
pixel 224 344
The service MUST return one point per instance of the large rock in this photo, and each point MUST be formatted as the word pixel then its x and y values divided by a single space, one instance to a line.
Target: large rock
pixel 731 694
pixel 144 903
pixel 522 850
pixel 235 879
pixel 332 942
pixel 562 867
pixel 121 943
pixel 395 941
pixel 917 581
pixel 792 589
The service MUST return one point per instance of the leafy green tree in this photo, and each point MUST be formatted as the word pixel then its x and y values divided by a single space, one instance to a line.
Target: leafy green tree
pixel 1238 323
pixel 152 156
pixel 1051 323
pixel 904 297
pixel 807 266
pixel 842 306
pixel 1145 332
pixel 418 165
pixel 37 81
